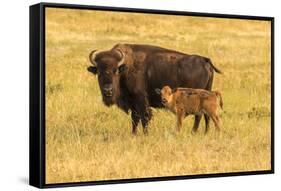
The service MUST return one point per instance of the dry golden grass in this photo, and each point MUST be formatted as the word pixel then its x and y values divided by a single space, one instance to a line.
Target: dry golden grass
pixel 87 141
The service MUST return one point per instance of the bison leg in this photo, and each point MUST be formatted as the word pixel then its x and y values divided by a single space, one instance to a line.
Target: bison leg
pixel 135 121
pixel 207 121
pixel 196 123
pixel 141 107
pixel 145 118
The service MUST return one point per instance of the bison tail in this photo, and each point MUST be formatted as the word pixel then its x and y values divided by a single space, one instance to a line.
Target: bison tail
pixel 215 68
pixel 218 94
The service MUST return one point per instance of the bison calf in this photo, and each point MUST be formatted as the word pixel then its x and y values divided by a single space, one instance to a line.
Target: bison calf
pixel 185 101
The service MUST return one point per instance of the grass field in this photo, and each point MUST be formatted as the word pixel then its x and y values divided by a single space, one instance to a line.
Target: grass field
pixel 87 141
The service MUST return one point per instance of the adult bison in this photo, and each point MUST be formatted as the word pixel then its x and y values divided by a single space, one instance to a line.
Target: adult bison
pixel 128 75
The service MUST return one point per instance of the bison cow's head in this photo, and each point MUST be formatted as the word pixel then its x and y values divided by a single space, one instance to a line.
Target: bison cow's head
pixel 108 65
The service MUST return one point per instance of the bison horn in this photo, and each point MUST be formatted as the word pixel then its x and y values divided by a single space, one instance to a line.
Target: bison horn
pixel 92 57
pixel 121 62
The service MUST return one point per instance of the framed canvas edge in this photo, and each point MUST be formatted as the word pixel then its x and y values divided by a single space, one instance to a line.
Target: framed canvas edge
pixel 153 179
pixel 35 88
pixel 35 97
pixel 155 11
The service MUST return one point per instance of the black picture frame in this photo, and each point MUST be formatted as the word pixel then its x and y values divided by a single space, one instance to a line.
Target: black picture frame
pixel 37 94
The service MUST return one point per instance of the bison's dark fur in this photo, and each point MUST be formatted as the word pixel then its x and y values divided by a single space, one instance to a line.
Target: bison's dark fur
pixel 128 75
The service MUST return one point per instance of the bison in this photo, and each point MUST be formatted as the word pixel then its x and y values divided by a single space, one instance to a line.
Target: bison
pixel 186 101
pixel 128 75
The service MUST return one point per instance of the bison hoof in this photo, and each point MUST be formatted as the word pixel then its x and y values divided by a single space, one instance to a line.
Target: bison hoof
pixel 145 131
pixel 134 132
pixel 193 132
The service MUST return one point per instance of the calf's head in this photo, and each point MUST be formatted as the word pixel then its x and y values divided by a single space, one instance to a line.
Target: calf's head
pixel 108 66
pixel 165 93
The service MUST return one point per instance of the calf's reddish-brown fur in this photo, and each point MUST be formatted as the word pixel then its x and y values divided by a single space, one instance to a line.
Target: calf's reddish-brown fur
pixel 185 101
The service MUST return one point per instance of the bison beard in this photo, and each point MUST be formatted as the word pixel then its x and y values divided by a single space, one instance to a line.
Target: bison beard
pixel 128 74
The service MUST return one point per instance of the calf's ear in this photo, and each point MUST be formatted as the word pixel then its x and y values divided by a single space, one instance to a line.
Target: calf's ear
pixel 93 69
pixel 158 91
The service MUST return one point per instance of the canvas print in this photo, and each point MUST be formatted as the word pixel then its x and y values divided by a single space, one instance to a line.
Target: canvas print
pixel 140 95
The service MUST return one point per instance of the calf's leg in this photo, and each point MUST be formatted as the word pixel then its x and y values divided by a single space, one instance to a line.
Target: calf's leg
pixel 196 123
pixel 209 88
pixel 180 116
pixel 216 121
pixel 211 110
